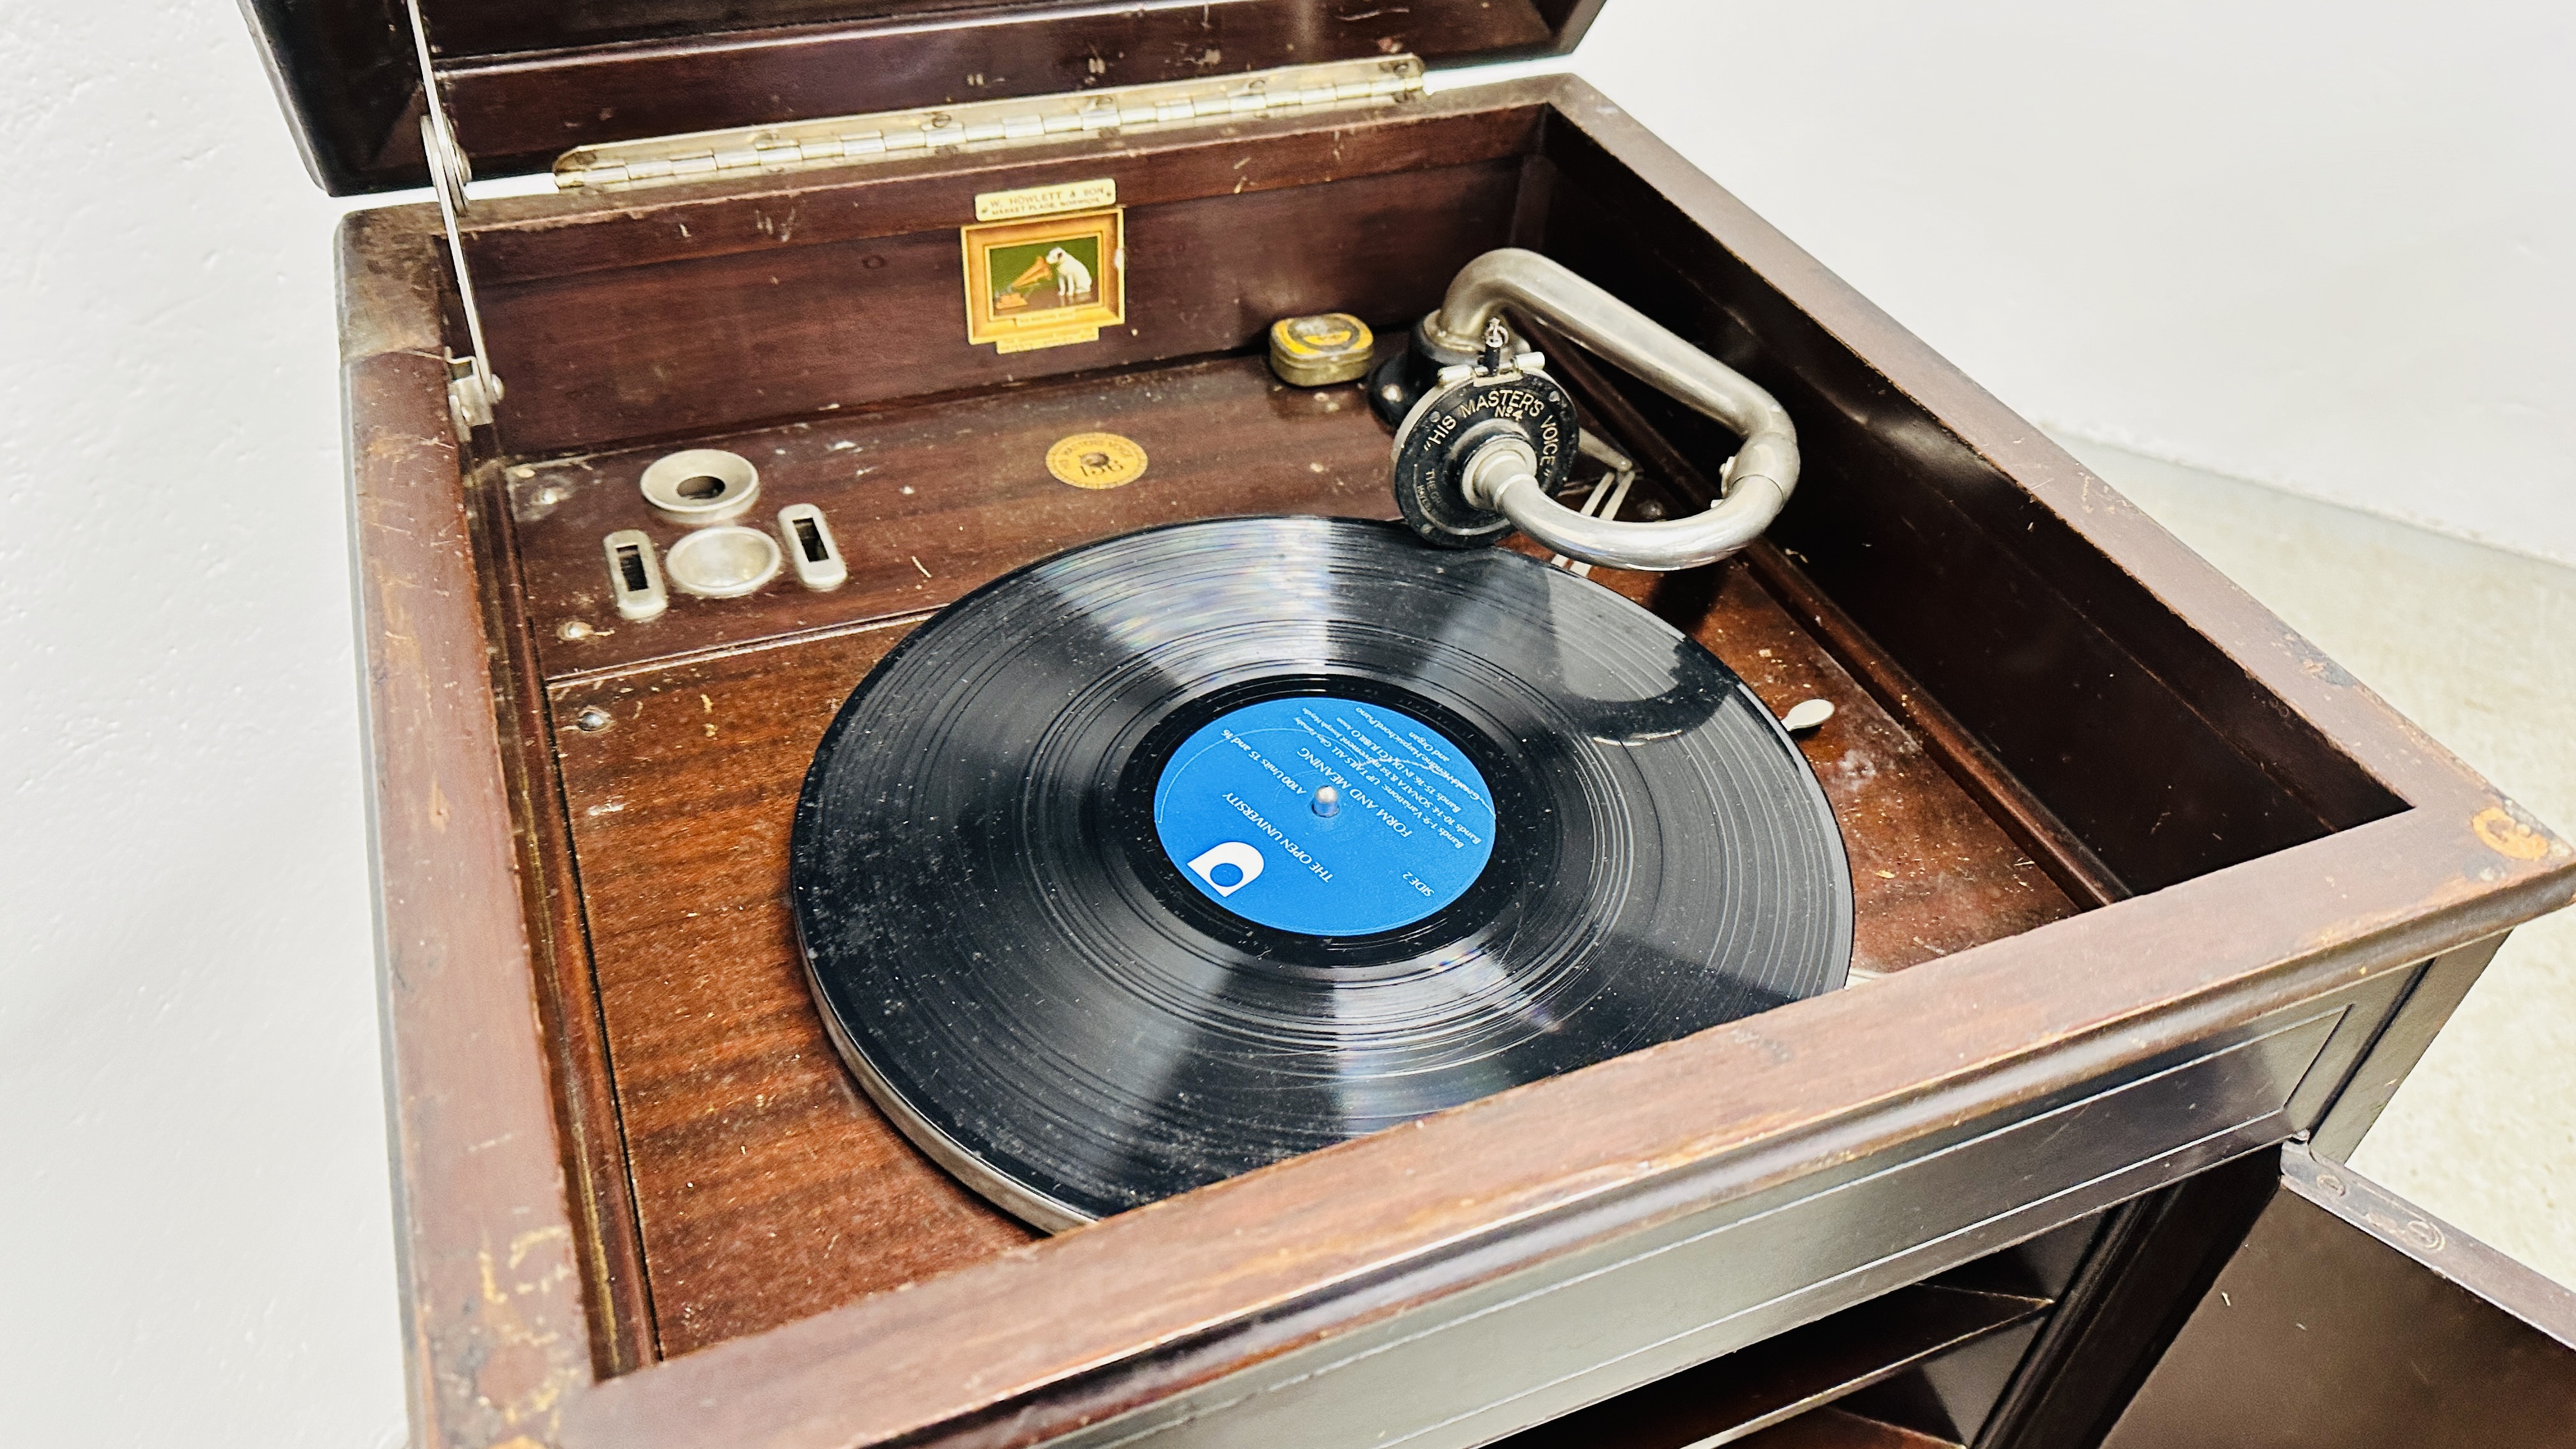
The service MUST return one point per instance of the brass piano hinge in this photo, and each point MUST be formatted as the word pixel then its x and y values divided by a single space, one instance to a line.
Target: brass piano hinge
pixel 989 125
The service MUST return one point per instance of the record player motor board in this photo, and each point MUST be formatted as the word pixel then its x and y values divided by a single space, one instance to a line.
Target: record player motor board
pixel 1102 726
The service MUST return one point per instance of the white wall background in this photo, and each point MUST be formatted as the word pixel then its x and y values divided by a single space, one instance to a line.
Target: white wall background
pixel 2328 246
pixel 195 1245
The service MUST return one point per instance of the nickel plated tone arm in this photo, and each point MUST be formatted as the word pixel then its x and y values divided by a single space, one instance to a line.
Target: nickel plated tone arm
pixel 1486 448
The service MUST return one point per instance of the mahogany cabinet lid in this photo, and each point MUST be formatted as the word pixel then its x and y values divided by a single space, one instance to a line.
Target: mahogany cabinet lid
pixel 525 82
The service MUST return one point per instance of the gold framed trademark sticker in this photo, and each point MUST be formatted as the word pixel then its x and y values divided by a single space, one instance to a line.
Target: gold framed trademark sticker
pixel 1047 282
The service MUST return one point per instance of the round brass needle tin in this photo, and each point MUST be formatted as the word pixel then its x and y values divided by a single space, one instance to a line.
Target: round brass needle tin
pixel 1316 351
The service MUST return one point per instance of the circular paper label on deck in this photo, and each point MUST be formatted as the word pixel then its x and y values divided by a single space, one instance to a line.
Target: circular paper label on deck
pixel 1096 460
pixel 1325 816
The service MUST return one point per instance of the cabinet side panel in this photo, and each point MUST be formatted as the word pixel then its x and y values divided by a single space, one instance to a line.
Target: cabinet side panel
pixel 1522 1350
pixel 2439 987
pixel 494 1316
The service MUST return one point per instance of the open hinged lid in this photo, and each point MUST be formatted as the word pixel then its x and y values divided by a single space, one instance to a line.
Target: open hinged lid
pixel 523 83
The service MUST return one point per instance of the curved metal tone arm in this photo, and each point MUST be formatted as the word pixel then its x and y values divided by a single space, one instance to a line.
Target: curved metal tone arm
pixel 1756 484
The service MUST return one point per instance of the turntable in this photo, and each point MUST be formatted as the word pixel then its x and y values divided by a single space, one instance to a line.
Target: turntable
pixel 1612 853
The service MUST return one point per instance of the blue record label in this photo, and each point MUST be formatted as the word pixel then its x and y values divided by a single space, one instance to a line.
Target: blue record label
pixel 1325 816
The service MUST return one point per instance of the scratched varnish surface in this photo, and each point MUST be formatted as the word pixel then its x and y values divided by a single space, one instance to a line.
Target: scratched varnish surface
pixel 766 1186
pixel 1931 872
pixel 927 502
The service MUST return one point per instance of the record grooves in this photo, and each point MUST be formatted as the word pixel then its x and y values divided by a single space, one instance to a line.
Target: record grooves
pixel 1181 853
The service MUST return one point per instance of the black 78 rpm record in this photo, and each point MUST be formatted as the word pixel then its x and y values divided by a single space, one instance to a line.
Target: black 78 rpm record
pixel 1182 853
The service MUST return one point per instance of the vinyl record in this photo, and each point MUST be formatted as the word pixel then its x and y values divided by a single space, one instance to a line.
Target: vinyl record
pixel 1185 852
